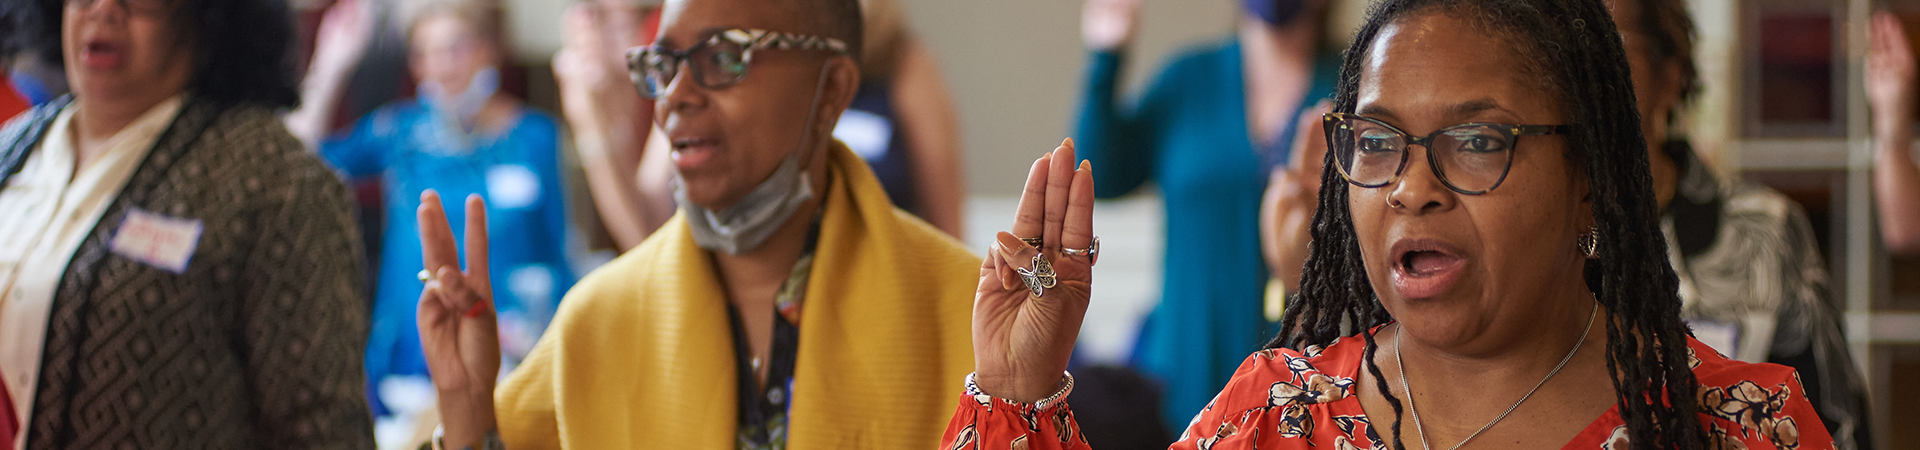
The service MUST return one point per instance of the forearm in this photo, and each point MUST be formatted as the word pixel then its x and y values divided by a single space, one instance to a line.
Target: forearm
pixel 319 98
pixel 933 135
pixel 1896 182
pixel 614 189
pixel 1105 133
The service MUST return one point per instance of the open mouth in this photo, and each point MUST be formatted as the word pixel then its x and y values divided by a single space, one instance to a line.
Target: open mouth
pixel 1425 268
pixel 1425 263
pixel 100 54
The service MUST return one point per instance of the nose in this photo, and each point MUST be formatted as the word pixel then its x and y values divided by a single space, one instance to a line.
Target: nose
pixel 681 95
pixel 1419 190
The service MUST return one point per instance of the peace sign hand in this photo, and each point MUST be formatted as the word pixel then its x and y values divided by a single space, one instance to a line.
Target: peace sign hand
pixel 1022 341
pixel 458 329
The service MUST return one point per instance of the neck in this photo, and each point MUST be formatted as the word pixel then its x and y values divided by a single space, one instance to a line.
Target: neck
pixel 769 264
pixel 96 120
pixel 1521 358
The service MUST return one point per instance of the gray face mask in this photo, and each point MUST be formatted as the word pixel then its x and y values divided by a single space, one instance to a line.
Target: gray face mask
pixel 749 222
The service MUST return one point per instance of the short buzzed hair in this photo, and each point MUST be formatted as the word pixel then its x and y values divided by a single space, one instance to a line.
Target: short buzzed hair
pixel 838 19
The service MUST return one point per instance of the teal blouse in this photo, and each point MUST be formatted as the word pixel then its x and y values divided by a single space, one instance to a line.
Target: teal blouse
pixel 1188 133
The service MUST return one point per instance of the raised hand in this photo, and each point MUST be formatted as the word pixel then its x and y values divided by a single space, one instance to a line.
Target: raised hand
pixel 1109 24
pixel 597 96
pixel 1022 341
pixel 343 37
pixel 1293 193
pixel 458 329
pixel 1889 72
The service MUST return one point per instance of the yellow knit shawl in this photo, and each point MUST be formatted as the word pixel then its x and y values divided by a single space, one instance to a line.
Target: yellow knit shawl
pixel 640 354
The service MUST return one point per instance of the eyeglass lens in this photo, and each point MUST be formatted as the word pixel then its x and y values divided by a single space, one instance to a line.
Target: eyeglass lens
pixel 714 64
pixel 1470 157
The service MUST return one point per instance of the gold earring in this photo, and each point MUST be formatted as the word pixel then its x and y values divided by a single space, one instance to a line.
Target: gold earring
pixel 1589 243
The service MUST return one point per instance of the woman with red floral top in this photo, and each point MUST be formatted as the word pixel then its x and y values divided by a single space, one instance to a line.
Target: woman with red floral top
pixel 1491 275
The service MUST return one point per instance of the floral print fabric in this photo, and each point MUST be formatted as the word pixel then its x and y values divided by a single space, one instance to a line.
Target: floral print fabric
pixel 1286 399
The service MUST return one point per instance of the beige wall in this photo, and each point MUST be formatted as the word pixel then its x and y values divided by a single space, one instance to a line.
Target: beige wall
pixel 1015 67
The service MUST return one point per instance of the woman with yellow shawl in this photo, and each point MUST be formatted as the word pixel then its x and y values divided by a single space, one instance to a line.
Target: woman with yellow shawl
pixel 787 305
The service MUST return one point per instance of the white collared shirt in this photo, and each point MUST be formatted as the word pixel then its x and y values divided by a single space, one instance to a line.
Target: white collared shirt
pixel 51 208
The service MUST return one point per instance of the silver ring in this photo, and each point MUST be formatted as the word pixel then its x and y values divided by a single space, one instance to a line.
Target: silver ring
pixel 1039 278
pixel 426 275
pixel 1034 242
pixel 1092 252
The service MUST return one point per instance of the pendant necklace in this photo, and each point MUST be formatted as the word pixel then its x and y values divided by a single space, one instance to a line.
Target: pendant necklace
pixel 1397 332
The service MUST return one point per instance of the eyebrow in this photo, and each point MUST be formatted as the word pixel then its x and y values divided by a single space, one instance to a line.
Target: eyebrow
pixel 1459 111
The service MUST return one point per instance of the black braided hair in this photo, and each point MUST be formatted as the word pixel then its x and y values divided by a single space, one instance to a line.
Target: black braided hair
pixel 1574 50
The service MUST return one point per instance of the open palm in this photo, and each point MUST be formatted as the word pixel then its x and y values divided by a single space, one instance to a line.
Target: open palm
pixel 1022 341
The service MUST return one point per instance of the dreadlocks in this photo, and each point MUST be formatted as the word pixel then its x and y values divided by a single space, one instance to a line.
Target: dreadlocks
pixel 1575 51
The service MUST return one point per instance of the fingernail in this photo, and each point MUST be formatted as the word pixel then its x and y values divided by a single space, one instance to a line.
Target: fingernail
pixel 476 309
pixel 1086 164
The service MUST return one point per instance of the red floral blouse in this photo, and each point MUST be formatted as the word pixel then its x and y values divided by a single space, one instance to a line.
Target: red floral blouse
pixel 1283 399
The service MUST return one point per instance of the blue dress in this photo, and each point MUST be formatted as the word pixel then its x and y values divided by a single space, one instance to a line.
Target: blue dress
pixel 518 174
pixel 1188 132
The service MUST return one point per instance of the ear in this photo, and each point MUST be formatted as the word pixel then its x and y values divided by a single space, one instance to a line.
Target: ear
pixel 842 84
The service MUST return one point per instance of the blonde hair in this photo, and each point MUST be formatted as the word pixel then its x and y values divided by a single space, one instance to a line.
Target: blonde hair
pixel 482 15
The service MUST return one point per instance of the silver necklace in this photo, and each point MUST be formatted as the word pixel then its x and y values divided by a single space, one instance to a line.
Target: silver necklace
pixel 1516 405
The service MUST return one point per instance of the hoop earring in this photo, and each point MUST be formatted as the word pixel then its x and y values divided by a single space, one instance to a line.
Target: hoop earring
pixel 1589 243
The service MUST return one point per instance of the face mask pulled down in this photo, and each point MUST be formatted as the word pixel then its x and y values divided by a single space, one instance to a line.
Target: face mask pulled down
pixel 456 114
pixel 747 224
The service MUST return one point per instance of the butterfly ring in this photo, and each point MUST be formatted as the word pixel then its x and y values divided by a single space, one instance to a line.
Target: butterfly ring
pixel 1040 277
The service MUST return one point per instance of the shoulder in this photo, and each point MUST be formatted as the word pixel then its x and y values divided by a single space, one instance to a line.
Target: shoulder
pixel 938 246
pixel 1281 375
pixel 537 119
pixel 252 135
pixel 1754 402
pixel 1289 398
pixel 1750 204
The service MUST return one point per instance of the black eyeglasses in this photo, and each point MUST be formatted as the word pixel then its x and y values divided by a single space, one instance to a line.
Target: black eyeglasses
pixel 718 62
pixel 1470 158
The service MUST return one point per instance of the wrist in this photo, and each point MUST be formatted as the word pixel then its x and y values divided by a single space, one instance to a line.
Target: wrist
pixel 1023 389
pixel 1054 394
pixel 465 418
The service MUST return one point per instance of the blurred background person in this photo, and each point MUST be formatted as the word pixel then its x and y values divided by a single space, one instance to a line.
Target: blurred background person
pixel 1890 95
pixel 903 123
pixel 11 103
pixel 179 272
pixel 609 122
pixel 1752 277
pixel 789 304
pixel 1209 129
pixel 460 136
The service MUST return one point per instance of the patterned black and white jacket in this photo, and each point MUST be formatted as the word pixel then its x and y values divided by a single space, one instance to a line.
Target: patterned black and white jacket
pixel 257 344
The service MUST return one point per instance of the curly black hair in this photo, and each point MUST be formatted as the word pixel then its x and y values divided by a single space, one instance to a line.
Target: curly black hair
pixel 1575 51
pixel 243 49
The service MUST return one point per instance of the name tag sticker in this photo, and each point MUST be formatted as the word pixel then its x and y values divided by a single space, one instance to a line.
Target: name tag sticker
pixel 157 240
pixel 1723 337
